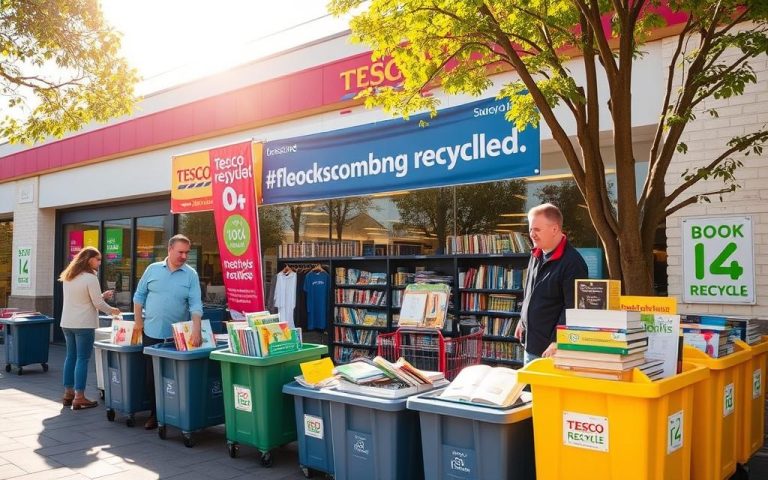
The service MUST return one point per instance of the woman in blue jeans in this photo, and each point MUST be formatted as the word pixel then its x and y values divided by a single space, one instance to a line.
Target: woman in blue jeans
pixel 79 320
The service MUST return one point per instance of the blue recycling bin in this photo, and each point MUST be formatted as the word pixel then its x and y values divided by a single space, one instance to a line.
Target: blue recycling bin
pixel 464 441
pixel 374 438
pixel 26 341
pixel 313 428
pixel 188 389
pixel 125 383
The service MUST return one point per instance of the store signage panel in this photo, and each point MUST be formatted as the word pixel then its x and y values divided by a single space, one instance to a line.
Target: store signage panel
pixel 718 260
pixel 191 183
pixel 23 267
pixel 467 144
pixel 233 169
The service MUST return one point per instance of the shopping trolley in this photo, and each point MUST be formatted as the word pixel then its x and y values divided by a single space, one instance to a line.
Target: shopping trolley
pixel 427 349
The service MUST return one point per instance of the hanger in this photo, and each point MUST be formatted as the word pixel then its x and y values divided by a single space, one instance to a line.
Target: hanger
pixel 287 269
pixel 318 268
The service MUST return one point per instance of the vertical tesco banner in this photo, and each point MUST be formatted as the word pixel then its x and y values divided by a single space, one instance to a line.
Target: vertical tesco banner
pixel 233 171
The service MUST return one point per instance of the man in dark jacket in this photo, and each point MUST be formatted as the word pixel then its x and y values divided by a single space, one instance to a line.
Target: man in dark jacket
pixel 549 289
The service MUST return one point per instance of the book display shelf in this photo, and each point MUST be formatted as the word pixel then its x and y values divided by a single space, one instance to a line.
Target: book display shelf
pixel 486 289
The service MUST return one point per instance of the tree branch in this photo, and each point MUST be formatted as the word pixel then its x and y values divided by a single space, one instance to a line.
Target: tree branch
pixel 694 199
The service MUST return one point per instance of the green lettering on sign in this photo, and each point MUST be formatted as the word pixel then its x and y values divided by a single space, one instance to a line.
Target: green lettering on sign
pixel 717 267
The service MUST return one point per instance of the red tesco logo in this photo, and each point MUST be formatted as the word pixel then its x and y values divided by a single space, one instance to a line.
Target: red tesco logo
pixel 585 427
pixel 194 174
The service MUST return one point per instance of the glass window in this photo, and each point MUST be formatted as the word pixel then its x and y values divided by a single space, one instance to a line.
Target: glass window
pixel 151 243
pixel 117 256
pixel 204 255
pixel 77 236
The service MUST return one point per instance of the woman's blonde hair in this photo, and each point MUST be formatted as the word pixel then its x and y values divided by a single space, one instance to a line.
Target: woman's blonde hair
pixel 79 264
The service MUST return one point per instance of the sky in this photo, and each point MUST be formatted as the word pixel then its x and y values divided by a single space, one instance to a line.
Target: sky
pixel 173 41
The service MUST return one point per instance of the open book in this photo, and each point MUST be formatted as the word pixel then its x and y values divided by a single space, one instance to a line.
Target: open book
pixel 182 335
pixel 496 386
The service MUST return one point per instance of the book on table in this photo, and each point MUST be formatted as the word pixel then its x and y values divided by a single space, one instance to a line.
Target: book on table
pixel 641 347
pixel 359 371
pixel 485 385
pixel 605 337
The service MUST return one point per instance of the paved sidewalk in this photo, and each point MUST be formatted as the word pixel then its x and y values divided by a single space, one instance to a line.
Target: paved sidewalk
pixel 39 439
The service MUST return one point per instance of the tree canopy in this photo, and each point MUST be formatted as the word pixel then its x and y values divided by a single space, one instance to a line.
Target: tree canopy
pixel 460 45
pixel 60 68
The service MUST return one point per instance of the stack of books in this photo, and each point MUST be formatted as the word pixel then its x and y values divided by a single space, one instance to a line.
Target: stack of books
pixel 262 334
pixel 378 377
pixel 712 334
pixel 605 344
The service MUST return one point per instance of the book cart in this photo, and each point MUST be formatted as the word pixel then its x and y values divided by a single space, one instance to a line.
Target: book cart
pixel 428 349
pixel 256 411
pixel 593 428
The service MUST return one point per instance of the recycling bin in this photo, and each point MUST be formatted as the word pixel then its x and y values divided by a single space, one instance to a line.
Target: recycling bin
pixel 124 390
pixel 751 424
pixel 312 410
pixel 26 341
pixel 464 441
pixel 719 398
pixel 102 334
pixel 256 411
pixel 591 428
pixel 188 389
pixel 374 438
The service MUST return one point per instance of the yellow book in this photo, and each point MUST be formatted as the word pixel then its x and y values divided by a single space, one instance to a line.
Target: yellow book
pixel 662 305
pixel 316 371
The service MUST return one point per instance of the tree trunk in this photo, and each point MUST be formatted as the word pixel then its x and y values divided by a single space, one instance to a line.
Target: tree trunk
pixel 637 276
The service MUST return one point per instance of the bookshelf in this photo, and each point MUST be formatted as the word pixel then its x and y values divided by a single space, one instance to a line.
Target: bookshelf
pixel 366 293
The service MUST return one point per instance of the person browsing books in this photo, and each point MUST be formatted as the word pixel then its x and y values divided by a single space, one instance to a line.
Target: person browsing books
pixel 79 320
pixel 549 290
pixel 168 292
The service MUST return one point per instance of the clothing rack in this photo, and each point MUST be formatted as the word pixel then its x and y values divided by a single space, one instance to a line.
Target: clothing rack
pixel 300 267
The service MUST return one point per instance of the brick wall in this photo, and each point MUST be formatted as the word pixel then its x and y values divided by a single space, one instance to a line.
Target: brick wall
pixel 706 138
pixel 34 227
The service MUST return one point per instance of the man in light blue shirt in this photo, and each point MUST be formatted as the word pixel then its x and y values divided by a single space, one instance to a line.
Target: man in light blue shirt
pixel 168 292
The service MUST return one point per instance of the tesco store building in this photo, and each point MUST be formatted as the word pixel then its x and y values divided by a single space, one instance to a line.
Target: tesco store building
pixel 110 186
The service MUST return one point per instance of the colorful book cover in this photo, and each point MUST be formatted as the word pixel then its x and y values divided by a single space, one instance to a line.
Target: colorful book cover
pixel 663 336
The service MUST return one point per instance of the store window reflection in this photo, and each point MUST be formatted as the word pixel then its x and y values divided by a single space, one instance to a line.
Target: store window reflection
pixel 151 243
pixel 77 236
pixel 117 255
pixel 204 254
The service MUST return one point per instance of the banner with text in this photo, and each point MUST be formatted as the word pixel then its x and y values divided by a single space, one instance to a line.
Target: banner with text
pixel 466 144
pixel 232 170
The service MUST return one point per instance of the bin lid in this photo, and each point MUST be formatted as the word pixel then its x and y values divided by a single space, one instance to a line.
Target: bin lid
pixel 376 403
pixel 427 402
pixel 308 351
pixel 168 350
pixel 125 315
pixel 296 389
pixel 26 320
pixel 119 348
pixel 543 372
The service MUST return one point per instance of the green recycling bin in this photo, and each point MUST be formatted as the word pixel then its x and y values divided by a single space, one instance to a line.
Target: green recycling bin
pixel 256 411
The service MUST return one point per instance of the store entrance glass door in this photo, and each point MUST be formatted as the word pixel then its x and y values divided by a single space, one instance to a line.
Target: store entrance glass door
pixel 151 243
pixel 117 256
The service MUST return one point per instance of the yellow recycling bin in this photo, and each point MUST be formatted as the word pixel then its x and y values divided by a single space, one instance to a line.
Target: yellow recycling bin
pixel 585 428
pixel 751 413
pixel 718 399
